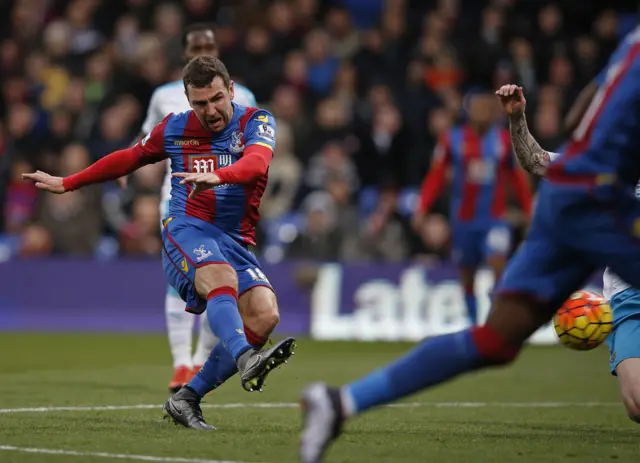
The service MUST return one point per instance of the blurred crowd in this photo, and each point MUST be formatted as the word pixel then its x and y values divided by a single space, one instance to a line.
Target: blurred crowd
pixel 361 90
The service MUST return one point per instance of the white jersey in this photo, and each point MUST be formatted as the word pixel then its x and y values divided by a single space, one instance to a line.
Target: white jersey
pixel 170 98
pixel 612 284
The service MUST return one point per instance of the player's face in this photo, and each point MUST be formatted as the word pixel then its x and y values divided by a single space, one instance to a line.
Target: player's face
pixel 200 43
pixel 212 104
pixel 482 110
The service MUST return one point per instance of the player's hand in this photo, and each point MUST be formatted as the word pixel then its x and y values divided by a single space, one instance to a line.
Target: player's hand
pixel 512 99
pixel 45 181
pixel 201 182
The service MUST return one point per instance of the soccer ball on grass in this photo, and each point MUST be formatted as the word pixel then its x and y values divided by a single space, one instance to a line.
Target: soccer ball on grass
pixel 584 321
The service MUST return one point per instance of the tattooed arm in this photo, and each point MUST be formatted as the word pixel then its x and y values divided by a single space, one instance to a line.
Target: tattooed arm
pixel 530 155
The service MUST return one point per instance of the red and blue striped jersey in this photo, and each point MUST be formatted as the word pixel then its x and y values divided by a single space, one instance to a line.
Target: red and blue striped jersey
pixel 603 149
pixel 192 148
pixel 482 167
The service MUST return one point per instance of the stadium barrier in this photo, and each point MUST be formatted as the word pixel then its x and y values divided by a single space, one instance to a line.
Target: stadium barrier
pixel 341 301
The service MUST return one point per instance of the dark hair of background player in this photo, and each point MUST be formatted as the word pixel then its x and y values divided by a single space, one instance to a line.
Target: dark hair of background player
pixel 194 28
pixel 199 39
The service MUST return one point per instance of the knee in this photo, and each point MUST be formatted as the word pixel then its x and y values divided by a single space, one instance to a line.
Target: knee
pixel 267 314
pixel 493 348
pixel 261 313
pixel 215 276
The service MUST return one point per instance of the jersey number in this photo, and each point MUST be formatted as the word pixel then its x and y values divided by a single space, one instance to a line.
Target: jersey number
pixel 257 275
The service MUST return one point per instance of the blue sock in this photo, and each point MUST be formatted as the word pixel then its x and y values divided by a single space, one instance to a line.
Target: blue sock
pixel 219 367
pixel 225 321
pixel 472 307
pixel 432 362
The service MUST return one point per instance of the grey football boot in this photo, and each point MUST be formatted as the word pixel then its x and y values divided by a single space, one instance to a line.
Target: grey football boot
pixel 323 419
pixel 254 365
pixel 183 408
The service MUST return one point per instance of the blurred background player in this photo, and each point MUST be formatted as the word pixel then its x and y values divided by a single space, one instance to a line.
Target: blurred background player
pixel 478 154
pixel 198 40
pixel 586 217
pixel 624 341
pixel 211 221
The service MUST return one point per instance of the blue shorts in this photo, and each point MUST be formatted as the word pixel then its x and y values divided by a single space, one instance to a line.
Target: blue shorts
pixel 571 236
pixel 475 244
pixel 624 340
pixel 191 243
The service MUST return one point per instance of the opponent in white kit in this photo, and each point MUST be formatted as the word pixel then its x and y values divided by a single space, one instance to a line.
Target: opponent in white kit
pixel 624 340
pixel 198 40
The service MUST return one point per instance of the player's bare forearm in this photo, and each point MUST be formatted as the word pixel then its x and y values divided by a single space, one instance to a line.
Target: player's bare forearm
pixel 530 155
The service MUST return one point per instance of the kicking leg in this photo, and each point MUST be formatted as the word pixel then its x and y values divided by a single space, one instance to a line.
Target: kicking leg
pixel 260 315
pixel 542 270
pixel 226 323
pixel 511 322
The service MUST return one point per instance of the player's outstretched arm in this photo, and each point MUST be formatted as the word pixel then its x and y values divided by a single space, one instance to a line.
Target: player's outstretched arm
pixel 110 167
pixel 123 181
pixel 530 155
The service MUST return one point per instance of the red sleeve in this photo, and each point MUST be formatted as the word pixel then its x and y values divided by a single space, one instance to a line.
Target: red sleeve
pixel 434 182
pixel 252 165
pixel 119 163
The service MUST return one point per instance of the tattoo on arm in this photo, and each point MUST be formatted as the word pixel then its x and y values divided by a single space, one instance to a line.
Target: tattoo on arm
pixel 529 153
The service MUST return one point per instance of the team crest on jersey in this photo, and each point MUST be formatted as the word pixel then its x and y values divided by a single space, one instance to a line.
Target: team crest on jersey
pixel 237 144
pixel 201 253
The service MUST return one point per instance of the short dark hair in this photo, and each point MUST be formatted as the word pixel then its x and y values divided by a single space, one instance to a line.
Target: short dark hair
pixel 200 71
pixel 196 27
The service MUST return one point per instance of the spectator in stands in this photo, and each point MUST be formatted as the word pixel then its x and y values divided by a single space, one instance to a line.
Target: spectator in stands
pixel 78 207
pixel 320 239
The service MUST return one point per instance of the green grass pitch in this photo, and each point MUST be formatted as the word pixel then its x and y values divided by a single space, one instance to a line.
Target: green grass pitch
pixel 553 405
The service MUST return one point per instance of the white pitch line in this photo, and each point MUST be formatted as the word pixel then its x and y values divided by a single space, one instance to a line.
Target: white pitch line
pixel 118 456
pixel 295 405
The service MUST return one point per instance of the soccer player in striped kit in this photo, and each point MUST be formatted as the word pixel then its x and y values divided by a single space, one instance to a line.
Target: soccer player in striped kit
pixel 198 40
pixel 220 154
pixel 479 155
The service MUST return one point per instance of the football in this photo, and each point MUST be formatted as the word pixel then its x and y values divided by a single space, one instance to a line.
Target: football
pixel 584 321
